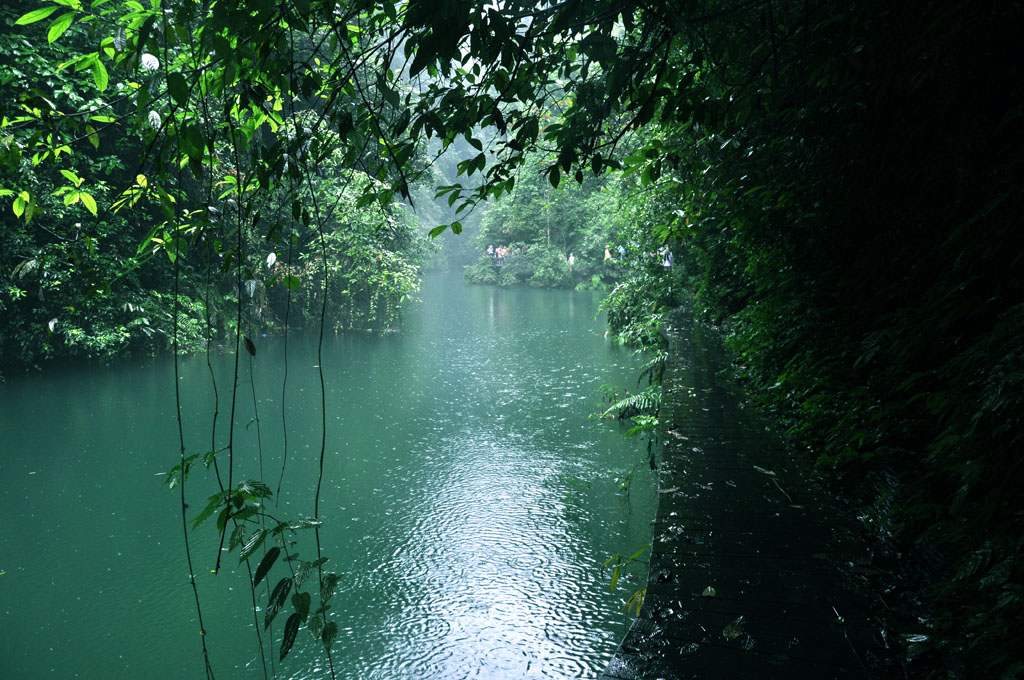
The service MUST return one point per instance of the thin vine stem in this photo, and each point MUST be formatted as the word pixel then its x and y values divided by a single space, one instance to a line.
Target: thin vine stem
pixel 239 186
pixel 176 331
pixel 284 379
pixel 320 220
pixel 183 475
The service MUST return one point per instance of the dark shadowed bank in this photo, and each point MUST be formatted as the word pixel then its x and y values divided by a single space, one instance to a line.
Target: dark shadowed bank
pixel 754 572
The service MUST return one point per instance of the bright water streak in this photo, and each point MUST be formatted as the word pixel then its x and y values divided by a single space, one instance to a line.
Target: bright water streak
pixel 468 502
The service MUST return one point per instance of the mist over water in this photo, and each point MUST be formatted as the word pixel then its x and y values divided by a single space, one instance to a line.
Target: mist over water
pixel 468 502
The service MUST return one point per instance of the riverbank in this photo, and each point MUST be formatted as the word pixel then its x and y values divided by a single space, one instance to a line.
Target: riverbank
pixel 751 569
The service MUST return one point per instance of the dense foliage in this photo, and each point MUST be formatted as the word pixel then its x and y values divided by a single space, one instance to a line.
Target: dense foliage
pixel 847 219
pixel 556 236
pixel 836 182
pixel 117 167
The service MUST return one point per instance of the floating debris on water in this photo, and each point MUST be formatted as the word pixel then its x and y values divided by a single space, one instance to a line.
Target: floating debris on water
pixel 734 629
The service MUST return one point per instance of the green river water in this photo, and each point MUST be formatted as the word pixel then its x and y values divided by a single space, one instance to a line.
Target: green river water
pixel 468 500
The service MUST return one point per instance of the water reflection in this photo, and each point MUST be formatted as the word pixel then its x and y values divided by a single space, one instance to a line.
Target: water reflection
pixel 464 549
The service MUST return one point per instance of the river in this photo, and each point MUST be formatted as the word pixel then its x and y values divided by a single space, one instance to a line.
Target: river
pixel 468 499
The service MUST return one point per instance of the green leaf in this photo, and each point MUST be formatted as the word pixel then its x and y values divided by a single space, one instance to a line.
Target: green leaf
pixel 222 518
pixel 316 626
pixel 30 206
pixel 265 564
pixel 277 598
pixel 215 501
pixel 424 56
pixel 291 282
pixel 734 629
pixel 329 633
pixel 327 586
pixel 302 572
pixel 34 16
pixel 389 95
pixel 403 121
pixel 89 202
pixel 245 513
pixel 255 489
pixel 305 569
pixel 528 132
pixel 57 28
pixel 301 602
pixel 194 138
pixel 237 536
pixel 636 601
pixel 178 87
pixel 99 75
pixel 249 347
pixel 291 629
pixel 437 231
pixel 174 476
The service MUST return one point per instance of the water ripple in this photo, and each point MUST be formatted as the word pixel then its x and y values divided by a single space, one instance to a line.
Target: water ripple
pixel 467 503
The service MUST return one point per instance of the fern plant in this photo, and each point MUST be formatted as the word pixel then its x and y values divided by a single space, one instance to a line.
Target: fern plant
pixel 644 403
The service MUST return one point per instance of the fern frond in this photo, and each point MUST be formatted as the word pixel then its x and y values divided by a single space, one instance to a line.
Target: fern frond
pixel 654 369
pixel 645 403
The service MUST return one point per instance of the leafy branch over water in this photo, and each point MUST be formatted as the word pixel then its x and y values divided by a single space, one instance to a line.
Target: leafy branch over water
pixel 250 520
pixel 619 565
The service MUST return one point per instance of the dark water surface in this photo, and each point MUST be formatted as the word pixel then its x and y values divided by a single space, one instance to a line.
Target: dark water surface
pixel 468 500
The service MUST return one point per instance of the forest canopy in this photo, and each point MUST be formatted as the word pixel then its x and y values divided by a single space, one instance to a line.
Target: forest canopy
pixel 838 183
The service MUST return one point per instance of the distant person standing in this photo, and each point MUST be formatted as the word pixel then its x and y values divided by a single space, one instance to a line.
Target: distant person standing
pixel 666 257
pixel 572 261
